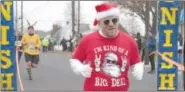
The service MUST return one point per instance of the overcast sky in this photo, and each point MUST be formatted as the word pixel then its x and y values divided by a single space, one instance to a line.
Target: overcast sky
pixel 48 12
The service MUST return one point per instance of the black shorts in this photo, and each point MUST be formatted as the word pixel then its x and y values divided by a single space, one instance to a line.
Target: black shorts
pixel 33 58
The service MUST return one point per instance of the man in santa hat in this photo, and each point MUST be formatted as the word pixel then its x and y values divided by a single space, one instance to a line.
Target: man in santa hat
pixel 105 56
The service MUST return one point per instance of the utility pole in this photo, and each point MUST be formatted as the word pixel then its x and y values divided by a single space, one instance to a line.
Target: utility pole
pixel 78 16
pixel 16 15
pixel 73 16
pixel 147 30
pixel 16 19
pixel 22 17
pixel 73 24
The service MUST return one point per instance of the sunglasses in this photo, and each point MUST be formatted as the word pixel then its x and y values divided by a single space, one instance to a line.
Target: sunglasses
pixel 111 62
pixel 114 21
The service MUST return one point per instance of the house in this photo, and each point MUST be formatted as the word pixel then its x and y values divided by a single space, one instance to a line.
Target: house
pixel 84 28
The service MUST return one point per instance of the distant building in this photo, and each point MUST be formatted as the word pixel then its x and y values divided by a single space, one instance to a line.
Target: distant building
pixel 84 29
pixel 41 33
pixel 65 31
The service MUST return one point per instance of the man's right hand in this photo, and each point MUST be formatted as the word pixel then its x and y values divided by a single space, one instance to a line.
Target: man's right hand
pixel 86 71
pixel 79 68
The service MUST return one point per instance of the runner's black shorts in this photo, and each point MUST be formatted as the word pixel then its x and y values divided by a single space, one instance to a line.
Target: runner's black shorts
pixel 33 58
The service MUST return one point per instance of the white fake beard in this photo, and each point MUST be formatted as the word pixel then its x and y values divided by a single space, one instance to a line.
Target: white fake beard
pixel 112 70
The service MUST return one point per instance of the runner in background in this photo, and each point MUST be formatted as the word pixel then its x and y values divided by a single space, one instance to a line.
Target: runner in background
pixel 31 43
pixel 18 44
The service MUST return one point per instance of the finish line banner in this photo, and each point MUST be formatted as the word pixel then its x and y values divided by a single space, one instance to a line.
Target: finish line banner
pixel 7 54
pixel 167 76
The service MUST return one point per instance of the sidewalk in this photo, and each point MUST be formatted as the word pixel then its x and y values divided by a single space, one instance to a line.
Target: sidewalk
pixel 64 53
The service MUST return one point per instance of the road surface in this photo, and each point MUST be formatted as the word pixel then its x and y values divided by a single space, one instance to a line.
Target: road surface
pixel 55 75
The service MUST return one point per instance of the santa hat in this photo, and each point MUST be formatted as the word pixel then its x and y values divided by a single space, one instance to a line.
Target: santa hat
pixel 104 10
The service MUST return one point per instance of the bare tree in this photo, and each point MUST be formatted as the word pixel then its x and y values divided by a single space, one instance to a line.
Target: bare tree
pixel 146 10
pixel 141 8
pixel 69 16
pixel 73 15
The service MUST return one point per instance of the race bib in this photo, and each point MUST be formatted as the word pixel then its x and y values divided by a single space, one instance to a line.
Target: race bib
pixel 17 43
pixel 31 47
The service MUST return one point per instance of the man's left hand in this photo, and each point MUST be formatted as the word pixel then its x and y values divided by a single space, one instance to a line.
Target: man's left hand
pixel 138 70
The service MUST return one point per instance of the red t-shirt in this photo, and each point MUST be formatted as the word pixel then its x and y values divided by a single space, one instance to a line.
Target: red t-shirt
pixel 110 52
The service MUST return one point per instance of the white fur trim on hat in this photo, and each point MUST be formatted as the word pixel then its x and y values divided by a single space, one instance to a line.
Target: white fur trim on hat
pixel 111 12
